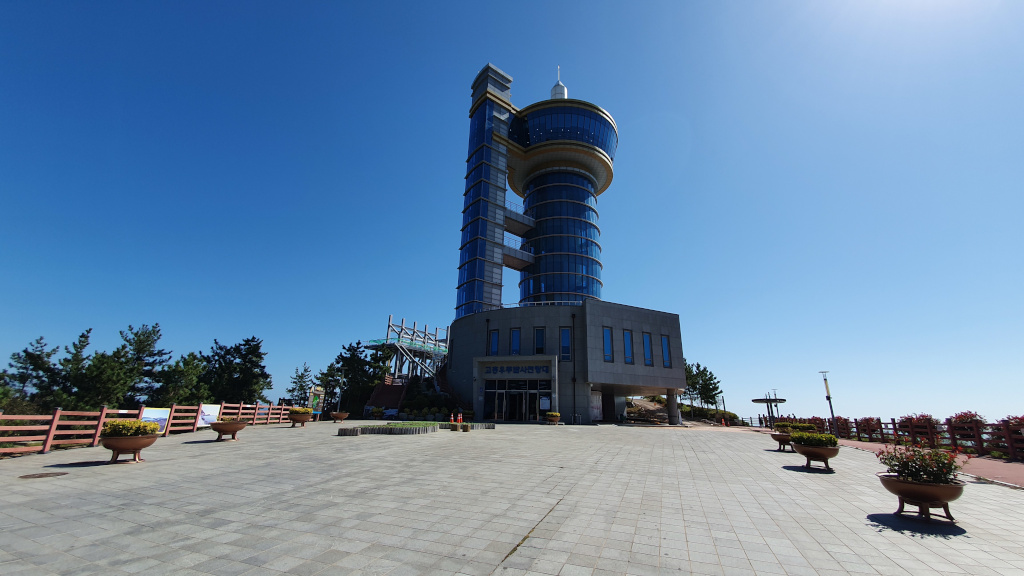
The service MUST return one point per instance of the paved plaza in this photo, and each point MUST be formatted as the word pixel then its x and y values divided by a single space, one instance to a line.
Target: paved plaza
pixel 521 499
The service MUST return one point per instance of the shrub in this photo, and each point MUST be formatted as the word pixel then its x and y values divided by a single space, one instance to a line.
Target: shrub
pixel 919 465
pixel 300 410
pixel 811 439
pixel 997 454
pixel 966 417
pixel 783 427
pixel 918 419
pixel 129 428
pixel 227 419
pixel 1015 420
pixel 554 414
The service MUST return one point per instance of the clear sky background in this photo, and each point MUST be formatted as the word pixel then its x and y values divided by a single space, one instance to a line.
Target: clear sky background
pixel 809 185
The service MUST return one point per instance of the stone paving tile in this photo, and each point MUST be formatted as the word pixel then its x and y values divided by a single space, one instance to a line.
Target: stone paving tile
pixel 522 500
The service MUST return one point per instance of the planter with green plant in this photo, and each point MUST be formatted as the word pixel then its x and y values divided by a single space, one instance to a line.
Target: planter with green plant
pixel 815 447
pixel 921 477
pixel 128 436
pixel 300 416
pixel 782 436
pixel 227 425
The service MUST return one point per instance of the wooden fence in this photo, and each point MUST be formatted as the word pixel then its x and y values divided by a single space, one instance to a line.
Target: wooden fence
pixel 26 433
pixel 975 437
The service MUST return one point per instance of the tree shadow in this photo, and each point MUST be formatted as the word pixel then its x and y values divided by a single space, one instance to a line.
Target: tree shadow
pixel 913 525
pixel 805 470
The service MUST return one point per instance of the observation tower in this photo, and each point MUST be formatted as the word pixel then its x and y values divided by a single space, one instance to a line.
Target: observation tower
pixel 557 156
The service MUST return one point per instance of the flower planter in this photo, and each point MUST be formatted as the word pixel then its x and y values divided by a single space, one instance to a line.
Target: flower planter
pixel 222 428
pixel 816 453
pixel 923 495
pixel 553 419
pixel 125 444
pixel 300 419
pixel 783 440
pixel 339 416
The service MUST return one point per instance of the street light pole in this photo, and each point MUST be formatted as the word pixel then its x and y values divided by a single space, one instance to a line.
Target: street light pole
pixel 828 396
pixel 340 389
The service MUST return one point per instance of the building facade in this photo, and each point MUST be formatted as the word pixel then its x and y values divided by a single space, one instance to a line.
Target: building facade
pixel 560 348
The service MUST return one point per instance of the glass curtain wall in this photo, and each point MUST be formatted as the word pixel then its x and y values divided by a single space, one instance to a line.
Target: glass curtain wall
pixel 564 240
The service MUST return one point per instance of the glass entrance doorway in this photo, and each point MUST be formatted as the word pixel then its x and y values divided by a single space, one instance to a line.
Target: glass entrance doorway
pixel 516 400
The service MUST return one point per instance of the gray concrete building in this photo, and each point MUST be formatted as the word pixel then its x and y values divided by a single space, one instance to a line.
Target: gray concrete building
pixel 560 348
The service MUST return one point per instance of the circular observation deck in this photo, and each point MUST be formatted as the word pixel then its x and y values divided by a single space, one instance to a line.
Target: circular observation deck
pixel 562 133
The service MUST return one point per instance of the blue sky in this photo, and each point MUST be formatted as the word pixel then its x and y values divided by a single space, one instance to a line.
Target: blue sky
pixel 810 185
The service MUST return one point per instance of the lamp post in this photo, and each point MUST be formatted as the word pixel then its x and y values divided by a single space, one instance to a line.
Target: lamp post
pixel 340 389
pixel 828 396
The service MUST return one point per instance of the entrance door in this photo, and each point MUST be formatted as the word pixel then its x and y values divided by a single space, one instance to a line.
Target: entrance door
pixel 515 406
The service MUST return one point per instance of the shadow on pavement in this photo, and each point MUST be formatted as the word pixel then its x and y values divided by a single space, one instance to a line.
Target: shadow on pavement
pixel 812 470
pixel 912 525
pixel 79 464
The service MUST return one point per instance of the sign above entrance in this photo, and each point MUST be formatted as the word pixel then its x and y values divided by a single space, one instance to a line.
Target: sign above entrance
pixel 517 370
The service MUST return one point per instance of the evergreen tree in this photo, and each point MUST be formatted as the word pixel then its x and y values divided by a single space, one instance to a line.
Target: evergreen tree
pixel 237 373
pixel 32 370
pixel 181 383
pixel 302 381
pixel 145 361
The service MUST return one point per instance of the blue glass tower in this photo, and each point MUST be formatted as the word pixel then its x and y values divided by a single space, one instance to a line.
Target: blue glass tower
pixel 557 156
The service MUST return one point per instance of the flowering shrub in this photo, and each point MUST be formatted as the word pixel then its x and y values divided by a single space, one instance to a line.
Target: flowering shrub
pixel 300 410
pixel 811 439
pixel 117 428
pixel 919 465
pixel 818 422
pixel 966 417
pixel 227 419
pixel 867 424
pixel 918 419
pixel 1015 420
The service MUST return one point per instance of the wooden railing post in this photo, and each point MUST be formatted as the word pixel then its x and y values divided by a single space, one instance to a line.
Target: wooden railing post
pixel 170 418
pixel 141 409
pixel 1011 446
pixel 53 428
pixel 953 441
pixel 99 426
pixel 199 417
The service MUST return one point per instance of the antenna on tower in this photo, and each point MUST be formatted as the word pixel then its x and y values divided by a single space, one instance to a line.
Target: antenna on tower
pixel 559 90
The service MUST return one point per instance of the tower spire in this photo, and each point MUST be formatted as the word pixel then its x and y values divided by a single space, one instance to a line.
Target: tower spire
pixel 559 91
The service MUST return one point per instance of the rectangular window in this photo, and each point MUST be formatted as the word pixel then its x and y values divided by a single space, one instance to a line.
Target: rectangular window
pixel 627 345
pixel 565 344
pixel 648 354
pixel 666 353
pixel 513 342
pixel 538 340
pixel 608 356
pixel 492 343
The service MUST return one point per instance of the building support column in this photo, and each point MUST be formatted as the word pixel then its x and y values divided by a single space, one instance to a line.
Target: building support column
pixel 672 406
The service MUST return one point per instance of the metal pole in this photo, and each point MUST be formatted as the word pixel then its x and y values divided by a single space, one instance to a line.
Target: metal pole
pixel 828 396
